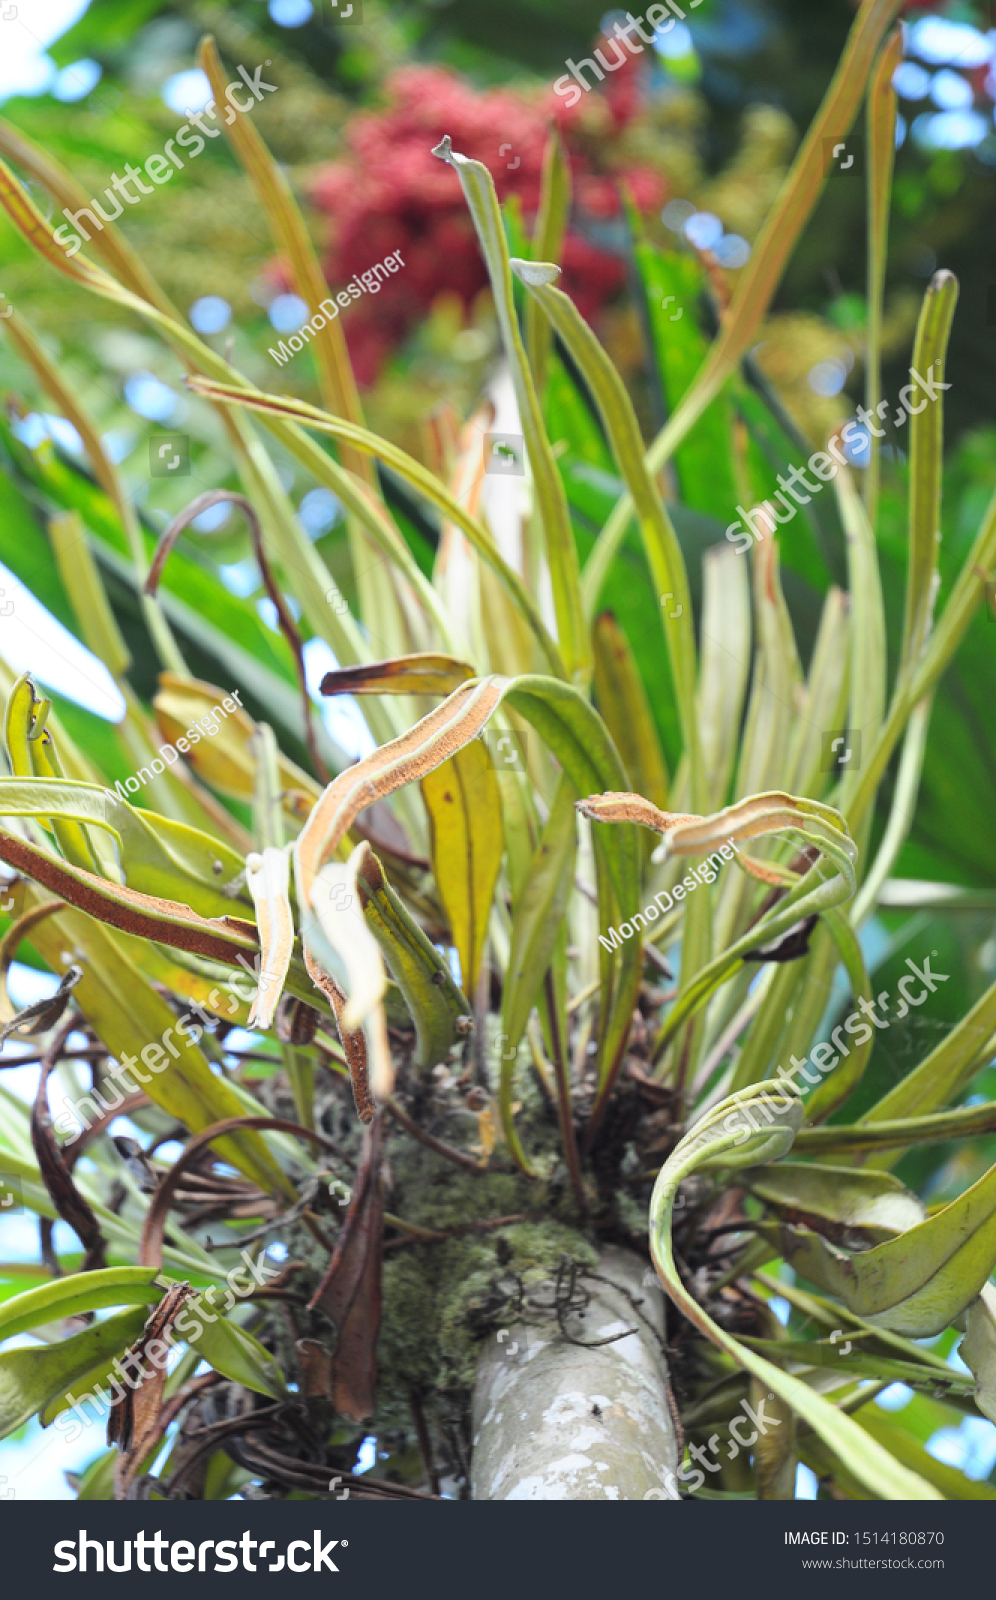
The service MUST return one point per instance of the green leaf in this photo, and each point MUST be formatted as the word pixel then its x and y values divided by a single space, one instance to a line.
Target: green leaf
pixel 561 552
pixel 158 856
pixel 949 1483
pixel 97 1482
pixel 926 464
pixel 672 285
pixel 234 1353
pixel 424 978
pixel 552 217
pixel 622 702
pixel 664 557
pixel 81 1291
pixel 940 1077
pixel 880 121
pixel 728 1135
pixel 539 911
pixel 131 1018
pixel 919 1282
pixel 30 1379
pixel 978 1350
pixel 782 227
pixel 837 1199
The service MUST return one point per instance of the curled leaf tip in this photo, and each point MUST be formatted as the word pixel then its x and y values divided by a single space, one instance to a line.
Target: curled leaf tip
pixel 444 149
pixel 534 273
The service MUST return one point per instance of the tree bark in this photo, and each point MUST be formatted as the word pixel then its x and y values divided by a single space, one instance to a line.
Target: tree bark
pixel 555 1421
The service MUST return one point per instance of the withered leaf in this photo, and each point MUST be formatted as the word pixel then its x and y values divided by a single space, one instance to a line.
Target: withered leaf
pixel 44 1014
pixel 69 1203
pixel 350 1293
pixel 316 1369
pixel 135 1423
pixel 790 947
pixel 423 673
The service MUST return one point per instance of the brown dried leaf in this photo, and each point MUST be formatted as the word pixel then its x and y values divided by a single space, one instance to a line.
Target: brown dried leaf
pixel 136 1423
pixel 350 1293
pixel 316 1369
pixel 70 1204
pixel 422 673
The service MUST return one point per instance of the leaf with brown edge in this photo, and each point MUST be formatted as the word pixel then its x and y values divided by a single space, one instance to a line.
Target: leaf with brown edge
pixel 168 921
pixel 354 1044
pixel 777 813
pixel 621 807
pixel 422 673
pixel 414 754
pixel 350 1292
pixel 753 818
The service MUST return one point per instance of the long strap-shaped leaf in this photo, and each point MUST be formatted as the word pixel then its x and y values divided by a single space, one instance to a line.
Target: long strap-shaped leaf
pixel 561 551
pixel 261 480
pixel 715 1142
pixel 880 118
pixel 926 462
pixel 660 542
pixel 552 216
pixel 335 373
pixel 169 921
pixel 967 594
pixel 79 1292
pixel 759 280
pixel 917 1283
pixel 107 476
pixel 130 1017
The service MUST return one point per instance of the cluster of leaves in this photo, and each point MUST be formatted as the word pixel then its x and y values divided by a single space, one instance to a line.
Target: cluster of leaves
pixel 516 866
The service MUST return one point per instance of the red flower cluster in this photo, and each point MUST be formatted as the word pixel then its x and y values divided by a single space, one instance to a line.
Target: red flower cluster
pixel 393 194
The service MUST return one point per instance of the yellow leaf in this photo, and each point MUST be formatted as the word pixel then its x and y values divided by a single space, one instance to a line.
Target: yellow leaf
pixel 464 807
